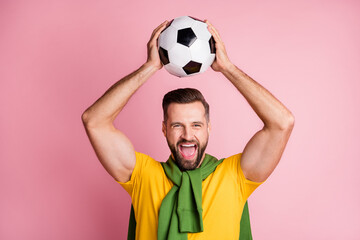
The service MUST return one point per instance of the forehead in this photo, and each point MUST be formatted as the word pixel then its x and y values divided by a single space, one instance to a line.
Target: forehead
pixel 186 112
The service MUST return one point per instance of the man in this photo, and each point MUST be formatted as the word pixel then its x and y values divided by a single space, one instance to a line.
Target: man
pixel 192 195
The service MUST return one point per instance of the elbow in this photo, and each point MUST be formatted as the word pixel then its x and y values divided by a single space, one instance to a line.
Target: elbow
pixel 87 119
pixel 91 120
pixel 289 122
pixel 84 117
pixel 285 123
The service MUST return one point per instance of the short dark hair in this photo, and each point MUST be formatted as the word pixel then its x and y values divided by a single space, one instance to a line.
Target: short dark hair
pixel 182 96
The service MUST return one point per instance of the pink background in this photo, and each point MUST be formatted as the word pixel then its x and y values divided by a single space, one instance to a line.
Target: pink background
pixel 58 57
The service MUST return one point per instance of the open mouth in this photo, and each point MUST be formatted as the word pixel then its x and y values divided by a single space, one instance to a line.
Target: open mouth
pixel 188 150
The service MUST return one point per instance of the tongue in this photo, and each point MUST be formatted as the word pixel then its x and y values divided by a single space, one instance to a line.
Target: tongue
pixel 188 151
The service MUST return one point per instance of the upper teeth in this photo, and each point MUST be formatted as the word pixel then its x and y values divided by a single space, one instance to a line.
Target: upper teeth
pixel 189 145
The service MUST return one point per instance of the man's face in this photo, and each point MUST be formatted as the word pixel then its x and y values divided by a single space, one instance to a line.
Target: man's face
pixel 187 133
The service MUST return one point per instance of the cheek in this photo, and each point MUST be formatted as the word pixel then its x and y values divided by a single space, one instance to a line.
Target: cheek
pixel 203 136
pixel 172 135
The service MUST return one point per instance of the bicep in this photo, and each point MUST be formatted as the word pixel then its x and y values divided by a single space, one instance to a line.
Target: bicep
pixel 263 152
pixel 114 150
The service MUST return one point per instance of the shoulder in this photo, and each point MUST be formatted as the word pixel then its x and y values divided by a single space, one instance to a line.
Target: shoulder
pixel 232 162
pixel 145 163
pixel 232 165
pixel 149 178
pixel 146 169
pixel 145 160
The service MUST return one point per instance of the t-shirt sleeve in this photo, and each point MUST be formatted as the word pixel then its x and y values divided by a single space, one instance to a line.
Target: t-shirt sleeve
pixel 247 187
pixel 141 160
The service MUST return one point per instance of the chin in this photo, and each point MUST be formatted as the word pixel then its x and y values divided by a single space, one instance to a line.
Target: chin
pixel 184 164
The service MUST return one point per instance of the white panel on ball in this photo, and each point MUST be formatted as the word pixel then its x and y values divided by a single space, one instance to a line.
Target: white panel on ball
pixel 182 22
pixel 167 38
pixel 179 55
pixel 175 70
pixel 200 51
pixel 201 31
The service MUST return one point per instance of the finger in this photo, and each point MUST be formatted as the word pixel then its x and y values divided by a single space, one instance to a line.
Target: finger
pixel 213 31
pixel 158 30
pixel 157 33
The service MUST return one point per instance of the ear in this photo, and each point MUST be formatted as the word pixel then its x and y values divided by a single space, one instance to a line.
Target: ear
pixel 209 127
pixel 164 128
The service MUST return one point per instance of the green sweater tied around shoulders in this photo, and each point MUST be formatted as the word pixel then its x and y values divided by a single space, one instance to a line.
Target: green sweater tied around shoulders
pixel 181 210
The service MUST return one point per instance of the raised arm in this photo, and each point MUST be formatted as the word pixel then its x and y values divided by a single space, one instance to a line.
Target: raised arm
pixel 114 150
pixel 263 152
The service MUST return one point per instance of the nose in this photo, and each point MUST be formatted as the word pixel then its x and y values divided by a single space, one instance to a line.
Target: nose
pixel 188 133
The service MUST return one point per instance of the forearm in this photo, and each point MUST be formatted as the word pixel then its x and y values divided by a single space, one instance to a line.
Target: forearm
pixel 107 107
pixel 270 110
pixel 263 152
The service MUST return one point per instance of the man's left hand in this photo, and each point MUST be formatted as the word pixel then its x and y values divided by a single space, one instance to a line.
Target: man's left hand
pixel 222 62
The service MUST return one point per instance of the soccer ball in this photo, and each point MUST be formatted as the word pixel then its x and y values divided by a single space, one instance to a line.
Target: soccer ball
pixel 186 47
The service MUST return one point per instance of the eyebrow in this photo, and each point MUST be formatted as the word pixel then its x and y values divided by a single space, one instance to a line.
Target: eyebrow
pixel 196 122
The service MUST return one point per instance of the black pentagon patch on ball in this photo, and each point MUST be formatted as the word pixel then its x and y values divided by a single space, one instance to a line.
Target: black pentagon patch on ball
pixel 212 45
pixel 164 57
pixel 186 37
pixel 192 67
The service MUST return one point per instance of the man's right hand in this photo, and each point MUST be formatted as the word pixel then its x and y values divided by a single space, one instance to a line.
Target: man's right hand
pixel 153 57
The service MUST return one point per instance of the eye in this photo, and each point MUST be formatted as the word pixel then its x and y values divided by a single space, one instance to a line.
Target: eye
pixel 197 125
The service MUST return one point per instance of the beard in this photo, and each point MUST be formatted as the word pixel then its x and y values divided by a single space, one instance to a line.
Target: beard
pixel 181 162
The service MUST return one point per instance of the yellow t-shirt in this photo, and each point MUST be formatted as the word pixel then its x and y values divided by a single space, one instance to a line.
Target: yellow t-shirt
pixel 224 193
